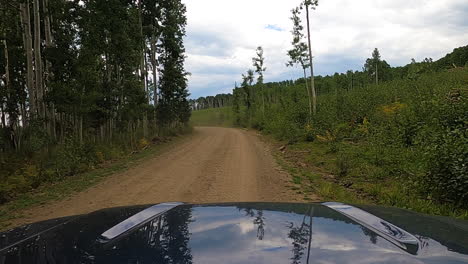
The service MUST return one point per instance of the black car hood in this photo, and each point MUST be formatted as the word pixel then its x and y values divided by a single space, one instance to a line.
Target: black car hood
pixel 237 233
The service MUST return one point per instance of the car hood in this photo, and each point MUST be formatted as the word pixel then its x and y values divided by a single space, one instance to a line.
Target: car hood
pixel 240 233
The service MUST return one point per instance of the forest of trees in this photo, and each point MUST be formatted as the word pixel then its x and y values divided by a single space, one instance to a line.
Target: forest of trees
pixel 79 74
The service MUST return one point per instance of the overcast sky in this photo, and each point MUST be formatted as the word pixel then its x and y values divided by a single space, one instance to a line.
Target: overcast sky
pixel 222 36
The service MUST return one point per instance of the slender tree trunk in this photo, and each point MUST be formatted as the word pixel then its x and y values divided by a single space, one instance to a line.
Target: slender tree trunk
pixel 111 129
pixel 3 116
pixel 107 80
pixel 27 39
pixel 143 50
pixel 146 76
pixel 7 77
pixel 47 29
pixel 129 129
pixel 154 64
pixel 312 81
pixel 38 59
pixel 24 114
pixel 143 72
pixel 51 122
pixel 101 130
pixel 376 74
pixel 308 94
pixel 263 101
pixel 13 122
pixel 80 129
pixel 62 126
pixel 7 64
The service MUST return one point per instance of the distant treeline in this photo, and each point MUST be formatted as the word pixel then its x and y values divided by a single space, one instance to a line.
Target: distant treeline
pixel 218 101
pixel 349 80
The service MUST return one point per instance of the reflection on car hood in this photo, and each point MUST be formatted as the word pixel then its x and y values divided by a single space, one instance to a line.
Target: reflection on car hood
pixel 235 233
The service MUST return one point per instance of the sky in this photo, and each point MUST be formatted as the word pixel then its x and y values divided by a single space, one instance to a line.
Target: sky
pixel 222 36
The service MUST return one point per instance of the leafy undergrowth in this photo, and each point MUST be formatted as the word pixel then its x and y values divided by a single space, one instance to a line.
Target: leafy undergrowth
pixel 359 174
pixel 65 187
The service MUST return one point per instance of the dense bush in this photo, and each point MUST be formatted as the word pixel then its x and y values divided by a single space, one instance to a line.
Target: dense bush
pixel 411 129
pixel 447 178
pixel 20 174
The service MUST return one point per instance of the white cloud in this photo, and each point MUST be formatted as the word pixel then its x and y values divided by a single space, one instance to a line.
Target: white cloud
pixel 222 36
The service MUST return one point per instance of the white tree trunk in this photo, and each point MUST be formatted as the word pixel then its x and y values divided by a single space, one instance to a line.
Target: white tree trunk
pixel 7 77
pixel 308 94
pixel 25 15
pixel 312 81
pixel 38 59
pixel 50 111
pixel 376 73
pixel 154 64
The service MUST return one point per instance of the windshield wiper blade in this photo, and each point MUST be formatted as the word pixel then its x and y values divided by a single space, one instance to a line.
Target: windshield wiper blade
pixel 388 231
pixel 136 221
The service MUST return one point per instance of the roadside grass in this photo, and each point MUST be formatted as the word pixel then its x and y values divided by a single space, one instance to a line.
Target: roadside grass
pixel 360 174
pixel 314 181
pixel 217 117
pixel 80 182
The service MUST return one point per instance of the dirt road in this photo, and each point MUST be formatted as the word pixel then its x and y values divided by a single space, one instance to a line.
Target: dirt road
pixel 212 165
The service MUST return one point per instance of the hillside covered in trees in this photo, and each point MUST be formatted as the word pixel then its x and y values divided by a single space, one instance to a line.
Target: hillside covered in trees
pixel 400 138
pixel 84 81
pixel 395 135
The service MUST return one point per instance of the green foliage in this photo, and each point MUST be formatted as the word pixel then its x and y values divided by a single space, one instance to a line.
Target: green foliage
pixel 289 125
pixel 457 58
pixel 376 68
pixel 222 117
pixel 71 158
pixel 408 136
pixel 93 104
pixel 37 138
pixel 343 165
pixel 173 105
pixel 447 178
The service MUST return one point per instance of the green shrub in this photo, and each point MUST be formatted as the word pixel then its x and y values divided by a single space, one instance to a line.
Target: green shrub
pixel 343 165
pixel 37 138
pixel 447 178
pixel 72 158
